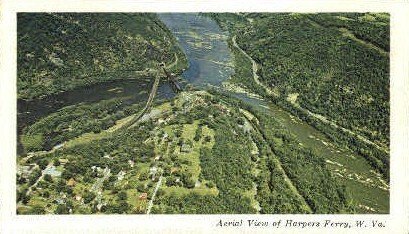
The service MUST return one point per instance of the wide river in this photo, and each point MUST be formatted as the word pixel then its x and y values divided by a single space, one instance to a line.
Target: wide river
pixel 210 63
pixel 210 60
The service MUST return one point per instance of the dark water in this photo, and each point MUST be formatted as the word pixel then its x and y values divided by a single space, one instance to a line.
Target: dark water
pixel 200 38
pixel 133 91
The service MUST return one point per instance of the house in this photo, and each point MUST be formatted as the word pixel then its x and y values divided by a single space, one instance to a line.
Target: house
pixel 121 175
pixel 59 201
pixel 173 170
pixel 71 182
pixel 24 171
pixel 78 197
pixel 186 147
pixel 52 171
pixel 143 196
pixel 59 146
pixel 153 170
pixel 63 161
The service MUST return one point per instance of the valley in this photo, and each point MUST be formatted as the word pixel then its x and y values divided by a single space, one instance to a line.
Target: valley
pixel 132 145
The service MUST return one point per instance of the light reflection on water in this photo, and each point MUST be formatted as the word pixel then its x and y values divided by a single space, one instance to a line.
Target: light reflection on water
pixel 205 45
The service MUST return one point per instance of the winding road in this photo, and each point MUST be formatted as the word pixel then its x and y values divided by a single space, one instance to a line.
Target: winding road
pixel 255 67
pixel 308 112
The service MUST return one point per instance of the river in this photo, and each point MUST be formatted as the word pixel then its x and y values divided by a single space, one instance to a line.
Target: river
pixel 132 90
pixel 206 48
pixel 210 63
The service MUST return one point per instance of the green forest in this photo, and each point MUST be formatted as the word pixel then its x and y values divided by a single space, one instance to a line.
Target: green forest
pixel 228 170
pixel 294 118
pixel 333 65
pixel 62 51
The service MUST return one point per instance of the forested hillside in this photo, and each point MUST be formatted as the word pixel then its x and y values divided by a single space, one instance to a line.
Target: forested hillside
pixel 333 66
pixel 282 114
pixel 61 51
pixel 208 153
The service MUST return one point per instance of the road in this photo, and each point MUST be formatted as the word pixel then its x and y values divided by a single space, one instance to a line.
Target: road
pixel 29 190
pixel 151 96
pixel 255 68
pixel 98 184
pixel 148 210
pixel 147 105
pixel 310 113
pixel 277 162
pixel 41 153
pixel 348 33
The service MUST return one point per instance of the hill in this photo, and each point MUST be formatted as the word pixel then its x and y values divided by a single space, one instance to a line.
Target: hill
pixel 199 148
pixel 332 70
pixel 62 51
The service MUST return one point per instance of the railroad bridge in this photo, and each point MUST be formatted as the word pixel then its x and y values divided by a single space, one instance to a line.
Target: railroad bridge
pixel 172 80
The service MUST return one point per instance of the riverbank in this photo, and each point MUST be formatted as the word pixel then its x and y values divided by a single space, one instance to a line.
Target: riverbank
pixel 232 149
pixel 333 143
pixel 61 62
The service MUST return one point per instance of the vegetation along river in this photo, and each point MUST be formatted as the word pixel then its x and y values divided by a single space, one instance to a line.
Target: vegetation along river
pixel 210 64
pixel 206 48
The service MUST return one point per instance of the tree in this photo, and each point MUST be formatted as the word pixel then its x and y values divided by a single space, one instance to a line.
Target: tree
pixel 25 199
pixel 60 186
pixel 42 163
pixel 207 139
pixel 210 184
pixel 88 197
pixel 198 133
pixel 107 185
pixel 143 176
pixel 48 178
pixel 123 207
pixel 189 183
pixel 37 210
pixel 56 162
pixel 140 187
pixel 21 180
pixel 61 209
pixel 69 190
pixel 240 121
pixel 160 192
pixel 178 132
pixel 122 196
pixel 170 181
pixel 112 178
pixel 46 194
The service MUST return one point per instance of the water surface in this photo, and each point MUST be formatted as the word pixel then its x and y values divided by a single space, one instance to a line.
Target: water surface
pixel 210 63
pixel 204 43
pixel 205 46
